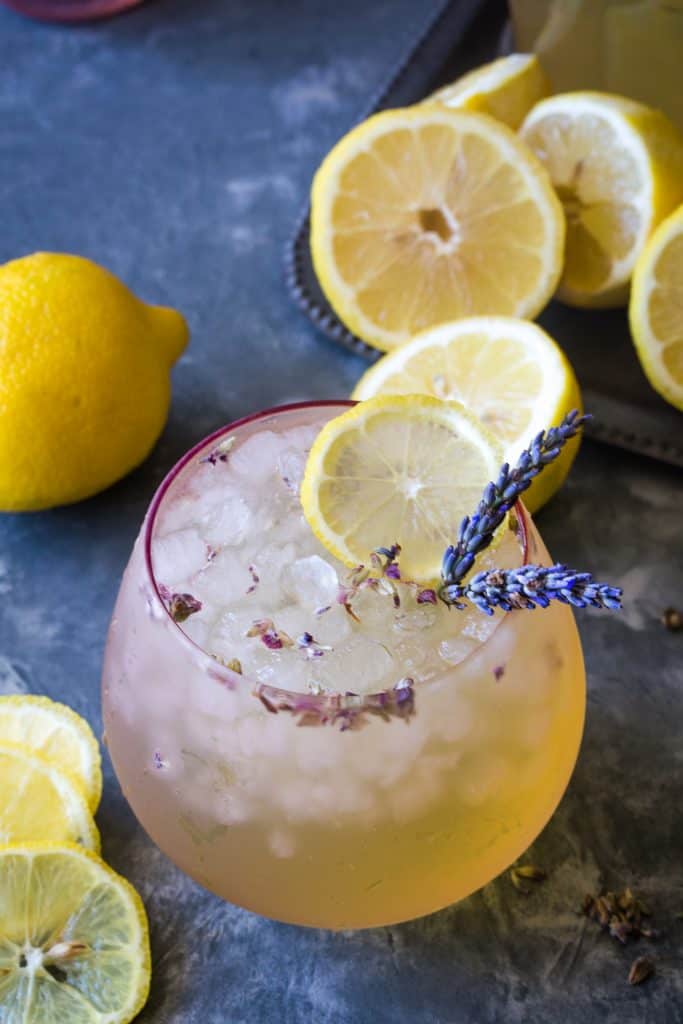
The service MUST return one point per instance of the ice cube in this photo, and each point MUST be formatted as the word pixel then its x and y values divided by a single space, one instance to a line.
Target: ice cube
pixel 361 665
pixel 291 465
pixel 178 556
pixel 415 620
pixel 226 521
pixel 223 581
pixel 256 458
pixel 312 582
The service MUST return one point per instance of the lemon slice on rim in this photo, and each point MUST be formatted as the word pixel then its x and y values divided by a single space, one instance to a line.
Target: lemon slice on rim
pixel 40 801
pixel 59 734
pixel 428 214
pixel 508 372
pixel 74 940
pixel 618 168
pixel 404 469
pixel 656 310
pixel 506 88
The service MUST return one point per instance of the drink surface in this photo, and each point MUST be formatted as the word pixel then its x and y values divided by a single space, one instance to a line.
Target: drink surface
pixel 382 822
pixel 232 534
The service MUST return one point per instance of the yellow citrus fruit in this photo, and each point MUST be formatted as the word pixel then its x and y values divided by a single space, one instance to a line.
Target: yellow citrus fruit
pixel 40 801
pixel 84 379
pixel 508 372
pixel 58 734
pixel 656 309
pixel 74 939
pixel 429 214
pixel 399 468
pixel 617 166
pixel 506 88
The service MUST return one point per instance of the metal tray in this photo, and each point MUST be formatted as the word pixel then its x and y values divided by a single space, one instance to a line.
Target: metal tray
pixel 626 411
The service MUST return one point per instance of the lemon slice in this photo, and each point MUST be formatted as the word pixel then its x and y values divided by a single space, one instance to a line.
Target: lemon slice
pixel 402 468
pixel 506 88
pixel 429 214
pixel 508 372
pixel 40 801
pixel 656 310
pixel 59 734
pixel 74 941
pixel 617 166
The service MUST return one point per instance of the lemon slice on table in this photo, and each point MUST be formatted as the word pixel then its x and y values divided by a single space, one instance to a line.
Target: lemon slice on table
pixel 617 166
pixel 59 734
pixel 656 309
pixel 403 468
pixel 508 372
pixel 506 88
pixel 74 941
pixel 429 214
pixel 40 801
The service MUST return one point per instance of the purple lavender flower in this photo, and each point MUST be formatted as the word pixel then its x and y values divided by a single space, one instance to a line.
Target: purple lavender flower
pixel 476 531
pixel 531 586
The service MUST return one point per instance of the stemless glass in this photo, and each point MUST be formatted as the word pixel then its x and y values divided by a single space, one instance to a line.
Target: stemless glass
pixel 70 10
pixel 331 828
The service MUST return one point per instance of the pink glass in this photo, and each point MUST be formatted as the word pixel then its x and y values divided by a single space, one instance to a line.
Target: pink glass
pixel 322 827
pixel 70 10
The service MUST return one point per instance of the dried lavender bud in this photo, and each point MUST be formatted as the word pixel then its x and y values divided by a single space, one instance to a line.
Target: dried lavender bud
pixel 498 672
pixel 621 914
pixel 220 452
pixel 526 873
pixel 308 643
pixel 181 606
pixel 427 596
pixel 347 710
pixel 529 871
pixel 672 619
pixel 255 580
pixel 271 637
pixel 640 970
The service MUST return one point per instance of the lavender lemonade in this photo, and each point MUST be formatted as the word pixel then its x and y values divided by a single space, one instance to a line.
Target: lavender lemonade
pixel 313 748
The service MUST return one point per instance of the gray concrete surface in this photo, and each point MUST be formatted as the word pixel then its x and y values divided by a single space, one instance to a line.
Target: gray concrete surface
pixel 175 145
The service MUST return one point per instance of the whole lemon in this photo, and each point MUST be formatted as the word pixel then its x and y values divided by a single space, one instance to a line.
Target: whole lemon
pixel 84 379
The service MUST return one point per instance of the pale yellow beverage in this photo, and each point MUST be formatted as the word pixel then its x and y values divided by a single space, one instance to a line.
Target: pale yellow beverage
pixel 353 773
pixel 631 47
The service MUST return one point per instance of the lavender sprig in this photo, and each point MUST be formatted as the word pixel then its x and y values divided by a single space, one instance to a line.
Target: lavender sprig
pixel 476 531
pixel 529 586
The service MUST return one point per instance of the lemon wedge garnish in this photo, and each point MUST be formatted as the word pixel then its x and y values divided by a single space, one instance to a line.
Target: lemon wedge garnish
pixel 429 214
pixel 403 468
pixel 656 309
pixel 74 941
pixel 617 166
pixel 59 734
pixel 508 372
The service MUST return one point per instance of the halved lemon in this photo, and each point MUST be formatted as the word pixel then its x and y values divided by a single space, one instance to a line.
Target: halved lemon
pixel 40 801
pixel 59 734
pixel 506 88
pixel 402 468
pixel 429 214
pixel 74 940
pixel 508 372
pixel 656 309
pixel 617 166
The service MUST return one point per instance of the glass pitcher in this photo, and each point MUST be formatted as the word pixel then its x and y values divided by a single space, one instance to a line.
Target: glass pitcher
pixel 631 47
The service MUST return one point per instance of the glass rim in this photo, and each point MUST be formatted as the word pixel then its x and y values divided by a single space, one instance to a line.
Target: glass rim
pixel 221 672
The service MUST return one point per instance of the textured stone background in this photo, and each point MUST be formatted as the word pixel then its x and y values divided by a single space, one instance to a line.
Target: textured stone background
pixel 175 145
